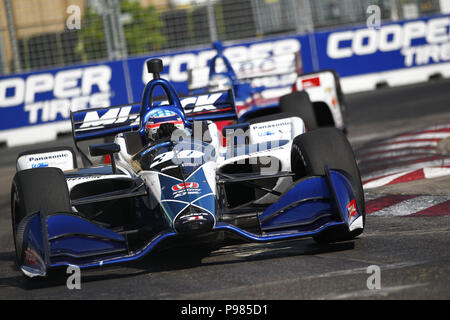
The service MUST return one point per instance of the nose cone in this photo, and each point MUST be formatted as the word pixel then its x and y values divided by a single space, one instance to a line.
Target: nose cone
pixel 194 222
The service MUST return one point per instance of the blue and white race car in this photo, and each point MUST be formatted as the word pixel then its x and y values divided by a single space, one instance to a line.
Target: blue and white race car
pixel 274 84
pixel 171 179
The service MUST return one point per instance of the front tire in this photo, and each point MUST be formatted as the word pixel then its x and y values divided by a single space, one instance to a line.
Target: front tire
pixel 311 151
pixel 33 190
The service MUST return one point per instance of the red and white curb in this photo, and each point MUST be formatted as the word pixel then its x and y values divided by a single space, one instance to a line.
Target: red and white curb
pixel 408 205
pixel 406 176
pixel 406 157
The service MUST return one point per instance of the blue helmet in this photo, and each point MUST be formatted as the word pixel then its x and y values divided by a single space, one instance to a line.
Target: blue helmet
pixel 160 116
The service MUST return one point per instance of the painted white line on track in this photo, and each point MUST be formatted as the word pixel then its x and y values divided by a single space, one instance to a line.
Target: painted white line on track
pixel 384 292
pixel 284 282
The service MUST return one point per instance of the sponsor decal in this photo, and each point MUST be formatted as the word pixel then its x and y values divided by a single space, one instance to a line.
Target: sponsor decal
pixel 86 178
pixel 30 257
pixel 180 155
pixel 39 165
pixel 194 217
pixel 273 125
pixel 271 131
pixel 202 103
pixel 48 157
pixel 419 42
pixel 351 209
pixel 265 133
pixel 310 83
pixel 112 116
pixel 51 95
pixel 62 160
pixel 185 188
pixel 184 185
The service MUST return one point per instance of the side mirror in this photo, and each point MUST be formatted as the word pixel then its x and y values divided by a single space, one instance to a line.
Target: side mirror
pixel 104 149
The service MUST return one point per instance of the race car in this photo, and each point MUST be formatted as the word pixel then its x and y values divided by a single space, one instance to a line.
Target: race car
pixel 171 182
pixel 275 84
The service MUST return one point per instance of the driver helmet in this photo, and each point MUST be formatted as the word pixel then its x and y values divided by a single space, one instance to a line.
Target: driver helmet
pixel 161 123
pixel 219 82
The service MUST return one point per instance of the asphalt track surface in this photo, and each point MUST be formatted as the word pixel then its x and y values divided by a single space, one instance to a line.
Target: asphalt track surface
pixel 411 251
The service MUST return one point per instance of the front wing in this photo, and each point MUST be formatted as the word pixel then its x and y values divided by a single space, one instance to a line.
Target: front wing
pixel 310 207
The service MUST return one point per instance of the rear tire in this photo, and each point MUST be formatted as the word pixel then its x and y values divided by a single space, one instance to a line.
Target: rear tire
pixel 299 104
pixel 311 151
pixel 33 190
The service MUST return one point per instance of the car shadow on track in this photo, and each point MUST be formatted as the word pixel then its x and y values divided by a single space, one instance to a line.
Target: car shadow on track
pixel 13 279
pixel 275 250
pixel 179 258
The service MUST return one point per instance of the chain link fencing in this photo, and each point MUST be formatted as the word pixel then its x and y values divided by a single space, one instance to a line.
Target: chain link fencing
pixel 38 34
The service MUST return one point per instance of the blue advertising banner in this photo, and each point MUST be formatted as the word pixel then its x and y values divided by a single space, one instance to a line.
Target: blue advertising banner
pixel 396 45
pixel 177 64
pixel 45 97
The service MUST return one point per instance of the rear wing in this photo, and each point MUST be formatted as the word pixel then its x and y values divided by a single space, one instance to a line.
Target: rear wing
pixel 327 79
pixel 103 122
pixel 280 65
pixel 324 87
pixel 213 106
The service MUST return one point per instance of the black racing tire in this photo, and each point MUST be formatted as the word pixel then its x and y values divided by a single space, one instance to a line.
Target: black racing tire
pixel 34 190
pixel 310 153
pixel 299 104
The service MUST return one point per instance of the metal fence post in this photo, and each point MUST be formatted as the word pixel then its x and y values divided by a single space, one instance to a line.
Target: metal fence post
pixel 212 22
pixel 3 63
pixel 12 36
pixel 120 46
pixel 107 25
pixel 394 10
pixel 303 17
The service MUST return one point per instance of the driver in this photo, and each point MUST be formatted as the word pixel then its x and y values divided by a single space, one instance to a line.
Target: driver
pixel 162 123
